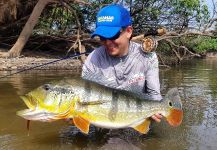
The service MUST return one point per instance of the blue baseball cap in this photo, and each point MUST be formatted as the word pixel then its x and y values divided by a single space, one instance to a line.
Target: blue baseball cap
pixel 110 20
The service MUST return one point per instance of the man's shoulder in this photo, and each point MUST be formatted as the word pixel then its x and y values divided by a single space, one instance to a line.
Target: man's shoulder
pixel 136 48
pixel 97 53
pixel 134 45
pixel 98 58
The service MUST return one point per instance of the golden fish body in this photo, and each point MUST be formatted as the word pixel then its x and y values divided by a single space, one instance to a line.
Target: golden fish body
pixel 90 103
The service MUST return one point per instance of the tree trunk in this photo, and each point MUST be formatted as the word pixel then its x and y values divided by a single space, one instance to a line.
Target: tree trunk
pixel 27 30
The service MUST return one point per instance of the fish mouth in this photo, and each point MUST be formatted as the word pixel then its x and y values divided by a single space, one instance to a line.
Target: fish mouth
pixel 175 117
pixel 40 115
pixel 39 111
pixel 37 115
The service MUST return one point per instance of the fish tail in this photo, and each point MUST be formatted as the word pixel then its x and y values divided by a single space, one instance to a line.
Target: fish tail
pixel 174 105
pixel 175 117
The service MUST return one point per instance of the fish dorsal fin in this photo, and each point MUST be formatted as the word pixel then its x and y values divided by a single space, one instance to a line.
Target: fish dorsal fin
pixel 143 127
pixel 82 124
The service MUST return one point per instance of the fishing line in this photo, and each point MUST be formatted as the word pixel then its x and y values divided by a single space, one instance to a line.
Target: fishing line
pixel 37 66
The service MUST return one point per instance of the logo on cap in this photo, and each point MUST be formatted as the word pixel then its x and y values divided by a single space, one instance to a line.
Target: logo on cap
pixel 105 18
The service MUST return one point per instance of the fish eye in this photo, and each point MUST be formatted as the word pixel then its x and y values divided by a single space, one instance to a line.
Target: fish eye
pixel 46 87
pixel 170 104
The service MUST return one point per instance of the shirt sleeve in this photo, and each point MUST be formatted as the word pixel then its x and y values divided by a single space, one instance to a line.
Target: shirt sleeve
pixel 152 83
pixel 89 67
pixel 92 69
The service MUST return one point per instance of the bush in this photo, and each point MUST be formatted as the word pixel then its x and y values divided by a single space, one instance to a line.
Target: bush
pixel 205 45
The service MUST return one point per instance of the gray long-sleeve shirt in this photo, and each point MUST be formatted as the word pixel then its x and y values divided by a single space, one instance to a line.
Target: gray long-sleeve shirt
pixel 137 72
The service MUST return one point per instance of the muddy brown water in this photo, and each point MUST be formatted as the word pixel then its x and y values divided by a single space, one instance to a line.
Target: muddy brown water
pixel 197 84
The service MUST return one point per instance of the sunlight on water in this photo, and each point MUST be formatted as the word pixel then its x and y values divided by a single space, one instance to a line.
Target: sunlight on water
pixel 197 84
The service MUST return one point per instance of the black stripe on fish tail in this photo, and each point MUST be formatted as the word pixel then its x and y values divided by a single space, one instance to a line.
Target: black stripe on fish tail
pixel 114 105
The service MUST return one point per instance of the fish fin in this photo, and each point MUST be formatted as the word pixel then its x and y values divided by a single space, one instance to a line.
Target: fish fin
pixel 143 127
pixel 72 122
pixel 82 124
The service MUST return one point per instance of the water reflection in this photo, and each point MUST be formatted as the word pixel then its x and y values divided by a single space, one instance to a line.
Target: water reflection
pixel 198 87
pixel 197 84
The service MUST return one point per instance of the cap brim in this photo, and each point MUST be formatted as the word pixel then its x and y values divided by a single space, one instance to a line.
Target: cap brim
pixel 106 31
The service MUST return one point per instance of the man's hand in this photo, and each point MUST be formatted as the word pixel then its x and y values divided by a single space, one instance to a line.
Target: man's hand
pixel 157 117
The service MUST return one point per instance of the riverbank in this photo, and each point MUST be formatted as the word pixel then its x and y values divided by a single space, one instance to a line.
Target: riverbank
pixel 211 55
pixel 39 61
pixel 38 64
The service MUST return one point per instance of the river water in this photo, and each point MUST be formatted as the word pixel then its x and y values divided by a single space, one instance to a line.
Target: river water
pixel 197 84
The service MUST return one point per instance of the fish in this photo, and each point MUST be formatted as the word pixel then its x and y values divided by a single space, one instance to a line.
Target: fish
pixel 86 103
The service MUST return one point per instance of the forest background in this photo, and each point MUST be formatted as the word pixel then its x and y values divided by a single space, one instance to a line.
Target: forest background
pixel 63 27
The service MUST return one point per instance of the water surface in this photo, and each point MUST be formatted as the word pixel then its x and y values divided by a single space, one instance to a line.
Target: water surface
pixel 197 84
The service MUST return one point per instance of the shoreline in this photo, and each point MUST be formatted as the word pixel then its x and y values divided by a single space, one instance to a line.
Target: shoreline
pixel 28 63
pixel 38 62
pixel 211 55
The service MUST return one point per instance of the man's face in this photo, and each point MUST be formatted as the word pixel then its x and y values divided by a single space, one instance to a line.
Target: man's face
pixel 118 47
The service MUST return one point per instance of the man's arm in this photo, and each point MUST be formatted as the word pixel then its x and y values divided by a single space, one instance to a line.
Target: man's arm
pixel 88 68
pixel 152 84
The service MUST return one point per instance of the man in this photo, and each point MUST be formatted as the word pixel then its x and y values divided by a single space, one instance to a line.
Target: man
pixel 120 63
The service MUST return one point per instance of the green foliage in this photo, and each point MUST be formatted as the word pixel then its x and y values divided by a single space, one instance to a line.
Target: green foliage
pixel 172 14
pixel 60 20
pixel 90 11
pixel 206 45
pixel 163 48
pixel 57 19
pixel 202 44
